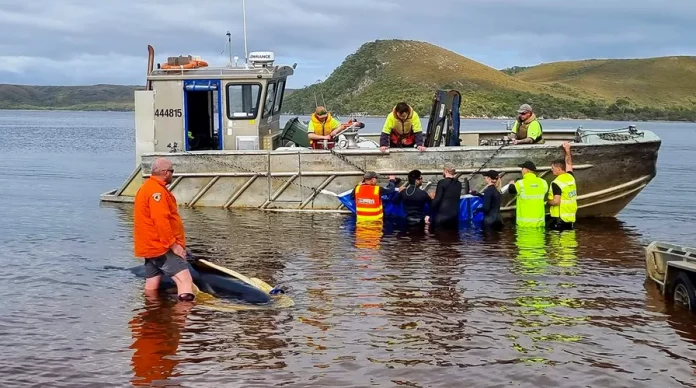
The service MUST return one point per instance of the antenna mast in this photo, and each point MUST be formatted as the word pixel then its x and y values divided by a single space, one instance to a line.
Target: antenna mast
pixel 229 46
pixel 246 53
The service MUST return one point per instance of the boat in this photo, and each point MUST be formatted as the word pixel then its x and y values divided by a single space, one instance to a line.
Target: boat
pixel 220 126
pixel 673 269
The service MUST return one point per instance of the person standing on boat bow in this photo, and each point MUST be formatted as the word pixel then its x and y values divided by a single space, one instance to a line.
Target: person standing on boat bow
pixel 368 197
pixel 322 127
pixel 527 129
pixel 158 232
pixel 402 128
pixel 563 193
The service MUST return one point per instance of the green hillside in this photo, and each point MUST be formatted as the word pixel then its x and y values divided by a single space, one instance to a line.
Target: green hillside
pixel 383 72
pixel 95 97
pixel 663 82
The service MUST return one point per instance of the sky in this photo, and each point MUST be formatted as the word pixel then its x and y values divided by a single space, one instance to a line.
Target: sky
pixel 80 42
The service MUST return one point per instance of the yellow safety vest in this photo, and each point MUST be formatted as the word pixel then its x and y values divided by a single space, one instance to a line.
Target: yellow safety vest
pixel 569 193
pixel 531 208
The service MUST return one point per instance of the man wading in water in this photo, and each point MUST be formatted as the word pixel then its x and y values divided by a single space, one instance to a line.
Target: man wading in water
pixel 158 233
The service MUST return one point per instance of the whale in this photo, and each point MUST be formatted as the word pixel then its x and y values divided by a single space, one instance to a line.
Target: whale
pixel 214 281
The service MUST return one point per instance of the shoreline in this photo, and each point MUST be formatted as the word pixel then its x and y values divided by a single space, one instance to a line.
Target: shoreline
pixel 67 109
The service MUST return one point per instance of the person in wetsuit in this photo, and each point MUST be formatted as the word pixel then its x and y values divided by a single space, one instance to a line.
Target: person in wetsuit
pixel 491 202
pixel 445 207
pixel 414 200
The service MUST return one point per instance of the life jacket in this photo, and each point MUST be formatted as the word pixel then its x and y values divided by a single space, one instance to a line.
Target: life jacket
pixel 402 130
pixel 530 207
pixel 569 204
pixel 521 129
pixel 322 129
pixel 368 203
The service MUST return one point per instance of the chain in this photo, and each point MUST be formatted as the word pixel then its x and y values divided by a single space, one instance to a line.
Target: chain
pixel 343 158
pixel 487 161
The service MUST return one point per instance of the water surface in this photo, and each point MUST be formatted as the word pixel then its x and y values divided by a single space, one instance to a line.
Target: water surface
pixel 383 308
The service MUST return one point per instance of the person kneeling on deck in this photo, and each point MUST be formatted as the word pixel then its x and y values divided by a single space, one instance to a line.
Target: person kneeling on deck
pixel 368 197
pixel 414 200
pixel 531 192
pixel 527 128
pixel 563 193
pixel 402 129
pixel 158 232
pixel 322 127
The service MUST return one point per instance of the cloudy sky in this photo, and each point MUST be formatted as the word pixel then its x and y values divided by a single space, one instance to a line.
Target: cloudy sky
pixel 82 42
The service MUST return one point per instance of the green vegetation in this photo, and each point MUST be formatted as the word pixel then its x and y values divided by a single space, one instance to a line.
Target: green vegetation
pixel 383 72
pixel 96 97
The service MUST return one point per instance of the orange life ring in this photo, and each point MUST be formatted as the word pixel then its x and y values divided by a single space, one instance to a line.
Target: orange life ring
pixel 190 65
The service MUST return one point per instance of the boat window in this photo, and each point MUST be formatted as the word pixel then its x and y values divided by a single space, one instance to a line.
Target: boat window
pixel 270 99
pixel 243 101
pixel 279 96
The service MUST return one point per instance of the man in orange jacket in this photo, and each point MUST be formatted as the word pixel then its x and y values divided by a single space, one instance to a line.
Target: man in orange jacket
pixel 158 232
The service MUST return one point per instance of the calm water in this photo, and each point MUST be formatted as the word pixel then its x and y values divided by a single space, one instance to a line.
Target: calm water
pixel 569 310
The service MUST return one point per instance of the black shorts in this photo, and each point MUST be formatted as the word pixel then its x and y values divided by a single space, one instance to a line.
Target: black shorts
pixel 558 224
pixel 168 264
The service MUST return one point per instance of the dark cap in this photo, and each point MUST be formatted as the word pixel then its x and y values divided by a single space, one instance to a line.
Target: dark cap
pixel 491 174
pixel 370 175
pixel 528 165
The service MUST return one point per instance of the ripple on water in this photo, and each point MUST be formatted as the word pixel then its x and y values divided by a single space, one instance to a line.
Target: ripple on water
pixel 372 307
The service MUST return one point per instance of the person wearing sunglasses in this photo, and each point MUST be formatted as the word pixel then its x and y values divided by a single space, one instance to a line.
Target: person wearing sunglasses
pixel 158 232
pixel 527 129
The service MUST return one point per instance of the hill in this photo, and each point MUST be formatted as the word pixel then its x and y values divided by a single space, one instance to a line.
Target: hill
pixel 383 72
pixel 94 97
pixel 662 82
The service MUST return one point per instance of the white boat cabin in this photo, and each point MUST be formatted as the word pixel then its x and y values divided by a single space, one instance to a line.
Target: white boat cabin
pixel 193 107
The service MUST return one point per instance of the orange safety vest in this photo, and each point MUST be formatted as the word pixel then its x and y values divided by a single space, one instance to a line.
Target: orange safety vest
pixel 156 224
pixel 368 203
pixel 402 131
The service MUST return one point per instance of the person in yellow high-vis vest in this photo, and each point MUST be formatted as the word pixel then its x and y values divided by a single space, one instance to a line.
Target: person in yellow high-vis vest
pixel 563 193
pixel 531 194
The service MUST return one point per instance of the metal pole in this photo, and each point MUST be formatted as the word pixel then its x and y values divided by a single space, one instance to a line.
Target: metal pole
pixel 246 53
pixel 229 46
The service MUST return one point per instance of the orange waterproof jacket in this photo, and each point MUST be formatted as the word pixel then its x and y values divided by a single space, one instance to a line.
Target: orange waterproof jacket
pixel 157 224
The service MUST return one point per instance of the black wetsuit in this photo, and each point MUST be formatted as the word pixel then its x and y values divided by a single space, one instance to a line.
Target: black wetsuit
pixel 414 200
pixel 490 208
pixel 445 206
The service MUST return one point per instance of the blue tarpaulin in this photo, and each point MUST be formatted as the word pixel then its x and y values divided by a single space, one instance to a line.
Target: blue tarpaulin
pixel 467 205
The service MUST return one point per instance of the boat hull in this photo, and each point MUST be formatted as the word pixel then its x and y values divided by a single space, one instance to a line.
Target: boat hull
pixel 609 174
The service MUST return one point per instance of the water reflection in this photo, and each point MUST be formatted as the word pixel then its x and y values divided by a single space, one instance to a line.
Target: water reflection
pixel 381 305
pixel 156 332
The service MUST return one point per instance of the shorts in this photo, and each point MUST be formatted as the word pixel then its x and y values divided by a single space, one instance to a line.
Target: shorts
pixel 168 264
pixel 558 224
